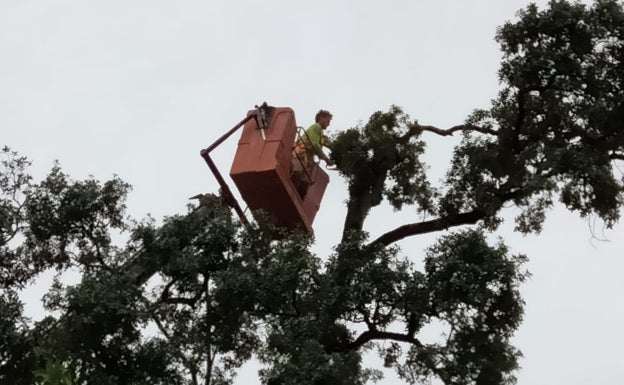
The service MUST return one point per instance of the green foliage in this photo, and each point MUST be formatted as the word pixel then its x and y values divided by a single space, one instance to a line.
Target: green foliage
pixel 193 297
pixel 67 217
pixel 383 146
pixel 16 345
pixel 473 289
pixel 54 373
pixel 14 182
pixel 558 117
pixel 381 160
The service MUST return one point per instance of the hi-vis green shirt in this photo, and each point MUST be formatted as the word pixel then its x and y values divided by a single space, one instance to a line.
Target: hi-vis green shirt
pixel 314 138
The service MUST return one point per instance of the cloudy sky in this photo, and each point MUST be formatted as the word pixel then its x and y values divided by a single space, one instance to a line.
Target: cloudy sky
pixel 137 88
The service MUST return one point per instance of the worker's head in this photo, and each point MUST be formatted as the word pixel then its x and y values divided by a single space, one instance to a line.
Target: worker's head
pixel 323 118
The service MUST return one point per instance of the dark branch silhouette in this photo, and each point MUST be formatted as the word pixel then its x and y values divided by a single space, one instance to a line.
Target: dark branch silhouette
pixel 429 226
pixel 617 156
pixel 165 296
pixel 450 131
pixel 370 335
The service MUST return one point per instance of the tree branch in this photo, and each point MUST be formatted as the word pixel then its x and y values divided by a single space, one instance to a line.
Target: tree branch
pixel 359 205
pixel 370 335
pixel 185 360
pixel 293 303
pixel 15 226
pixel 428 227
pixel 165 296
pixel 617 156
pixel 89 233
pixel 450 131
pixel 366 318
pixel 520 97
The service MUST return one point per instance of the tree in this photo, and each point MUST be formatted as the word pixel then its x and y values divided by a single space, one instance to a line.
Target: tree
pixel 217 292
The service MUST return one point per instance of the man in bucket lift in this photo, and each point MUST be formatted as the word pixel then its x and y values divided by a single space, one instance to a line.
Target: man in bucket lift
pixel 310 144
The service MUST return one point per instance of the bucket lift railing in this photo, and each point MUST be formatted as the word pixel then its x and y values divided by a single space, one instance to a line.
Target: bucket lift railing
pixel 262 115
pixel 300 159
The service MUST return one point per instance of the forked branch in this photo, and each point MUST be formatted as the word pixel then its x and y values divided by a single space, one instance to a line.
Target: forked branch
pixel 166 297
pixel 617 156
pixel 370 335
pixel 450 131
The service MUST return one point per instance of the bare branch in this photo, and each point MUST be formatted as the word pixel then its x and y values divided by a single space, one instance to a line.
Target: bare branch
pixel 617 156
pixel 166 298
pixel 370 335
pixel 439 224
pixel 450 131
pixel 163 329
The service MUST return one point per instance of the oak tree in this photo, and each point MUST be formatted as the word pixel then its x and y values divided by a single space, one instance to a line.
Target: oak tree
pixel 190 298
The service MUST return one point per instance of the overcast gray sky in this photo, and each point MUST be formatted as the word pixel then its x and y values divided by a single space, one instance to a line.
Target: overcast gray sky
pixel 137 88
